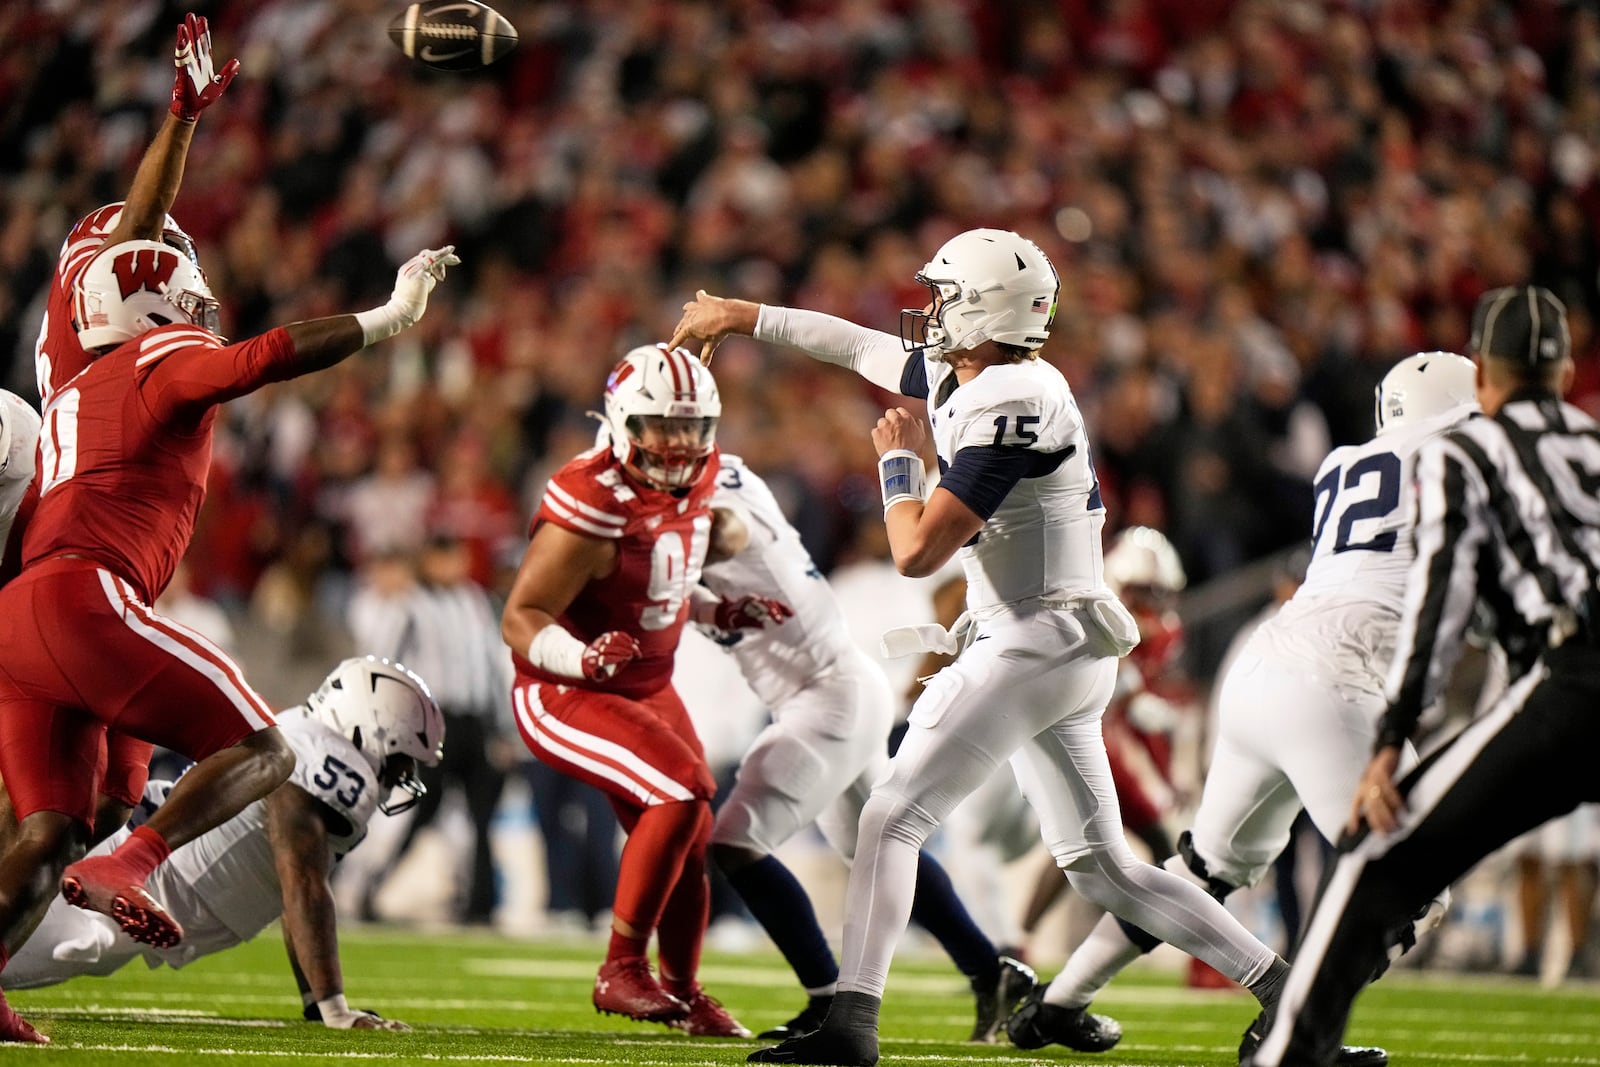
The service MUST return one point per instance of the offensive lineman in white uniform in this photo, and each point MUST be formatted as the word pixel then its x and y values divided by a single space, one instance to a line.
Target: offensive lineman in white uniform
pixel 1020 501
pixel 832 710
pixel 1298 709
pixel 359 737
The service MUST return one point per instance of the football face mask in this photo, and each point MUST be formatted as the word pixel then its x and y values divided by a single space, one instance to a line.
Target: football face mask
pixel 661 412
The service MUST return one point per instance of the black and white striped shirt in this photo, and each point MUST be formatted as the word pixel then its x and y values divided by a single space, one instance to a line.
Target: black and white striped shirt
pixel 1507 512
pixel 450 635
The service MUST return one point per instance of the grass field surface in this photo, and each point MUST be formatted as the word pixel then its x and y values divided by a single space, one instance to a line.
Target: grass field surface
pixel 477 998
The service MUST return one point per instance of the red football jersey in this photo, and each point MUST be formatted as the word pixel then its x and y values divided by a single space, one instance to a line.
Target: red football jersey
pixel 57 355
pixel 125 447
pixel 661 546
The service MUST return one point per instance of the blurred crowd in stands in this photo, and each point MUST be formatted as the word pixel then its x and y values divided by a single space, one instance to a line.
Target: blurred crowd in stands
pixel 1256 207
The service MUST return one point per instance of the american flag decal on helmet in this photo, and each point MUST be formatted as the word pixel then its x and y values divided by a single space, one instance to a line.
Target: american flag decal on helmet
pixel 1042 304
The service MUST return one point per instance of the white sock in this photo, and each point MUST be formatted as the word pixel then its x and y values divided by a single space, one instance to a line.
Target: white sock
pixel 1101 957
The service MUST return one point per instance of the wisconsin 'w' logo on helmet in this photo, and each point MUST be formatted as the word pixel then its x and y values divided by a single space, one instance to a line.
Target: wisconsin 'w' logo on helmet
pixel 134 287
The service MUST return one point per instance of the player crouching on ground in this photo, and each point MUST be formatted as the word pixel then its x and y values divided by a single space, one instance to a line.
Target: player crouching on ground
pixel 357 741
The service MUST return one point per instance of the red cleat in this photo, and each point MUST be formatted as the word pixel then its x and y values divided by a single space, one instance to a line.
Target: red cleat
pixel 626 987
pixel 99 883
pixel 707 1017
pixel 14 1027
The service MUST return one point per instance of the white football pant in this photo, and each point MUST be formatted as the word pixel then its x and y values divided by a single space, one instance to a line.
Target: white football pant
pixel 1031 688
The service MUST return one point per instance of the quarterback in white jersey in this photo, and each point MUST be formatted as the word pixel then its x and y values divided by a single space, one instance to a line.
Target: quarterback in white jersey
pixel 356 739
pixel 1019 503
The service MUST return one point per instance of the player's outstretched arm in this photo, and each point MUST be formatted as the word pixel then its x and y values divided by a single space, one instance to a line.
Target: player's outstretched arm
pixel 321 343
pixel 304 859
pixel 196 86
pixel 876 356
pixel 555 568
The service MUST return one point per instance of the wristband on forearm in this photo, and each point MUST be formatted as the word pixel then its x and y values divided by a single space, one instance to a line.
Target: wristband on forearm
pixel 555 650
pixel 902 477
pixel 380 323
pixel 703 604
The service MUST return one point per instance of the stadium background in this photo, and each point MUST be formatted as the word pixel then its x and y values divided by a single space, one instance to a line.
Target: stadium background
pixel 1256 207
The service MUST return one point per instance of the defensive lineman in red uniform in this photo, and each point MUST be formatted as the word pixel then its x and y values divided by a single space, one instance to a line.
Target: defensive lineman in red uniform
pixel 58 355
pixel 610 577
pixel 124 451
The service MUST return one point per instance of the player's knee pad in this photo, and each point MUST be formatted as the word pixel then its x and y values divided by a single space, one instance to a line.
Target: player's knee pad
pixel 896 817
pixel 1190 864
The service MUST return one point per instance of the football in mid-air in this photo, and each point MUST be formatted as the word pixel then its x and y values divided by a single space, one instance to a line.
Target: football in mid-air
pixel 452 34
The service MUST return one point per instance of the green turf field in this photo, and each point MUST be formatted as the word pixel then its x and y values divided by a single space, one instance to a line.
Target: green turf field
pixel 478 998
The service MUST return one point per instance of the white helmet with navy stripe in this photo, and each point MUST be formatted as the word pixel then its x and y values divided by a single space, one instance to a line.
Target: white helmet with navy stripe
pixel 1424 385
pixel 661 410
pixel 389 714
pixel 986 285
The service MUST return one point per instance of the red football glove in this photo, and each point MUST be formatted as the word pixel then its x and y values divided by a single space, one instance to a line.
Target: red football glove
pixel 198 85
pixel 608 654
pixel 751 613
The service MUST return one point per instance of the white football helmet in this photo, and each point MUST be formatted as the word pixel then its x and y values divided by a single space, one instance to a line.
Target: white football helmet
pixel 388 713
pixel 1142 557
pixel 1425 385
pixel 986 285
pixel 661 410
pixel 131 288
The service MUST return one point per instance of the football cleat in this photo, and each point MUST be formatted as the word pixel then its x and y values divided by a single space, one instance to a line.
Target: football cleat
pixel 707 1017
pixel 836 1048
pixel 1037 1024
pixel 1349 1055
pixel 809 1021
pixel 996 1003
pixel 95 884
pixel 626 987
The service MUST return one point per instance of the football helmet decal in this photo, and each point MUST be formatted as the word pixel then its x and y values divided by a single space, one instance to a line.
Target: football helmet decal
pixel 661 412
pixel 1422 386
pixel 985 285
pixel 388 713
pixel 1141 557
pixel 131 288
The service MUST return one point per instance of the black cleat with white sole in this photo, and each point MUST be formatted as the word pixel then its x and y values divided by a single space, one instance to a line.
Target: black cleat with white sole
pixel 834 1047
pixel 996 1002
pixel 1037 1024
pixel 809 1021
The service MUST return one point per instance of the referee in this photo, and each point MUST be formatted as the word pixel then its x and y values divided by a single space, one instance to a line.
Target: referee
pixel 1507 512
pixel 447 627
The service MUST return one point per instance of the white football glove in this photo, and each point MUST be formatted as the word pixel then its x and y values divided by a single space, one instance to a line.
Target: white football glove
pixel 417 277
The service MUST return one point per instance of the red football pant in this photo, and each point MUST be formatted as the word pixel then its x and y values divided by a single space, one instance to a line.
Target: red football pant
pixel 645 755
pixel 82 654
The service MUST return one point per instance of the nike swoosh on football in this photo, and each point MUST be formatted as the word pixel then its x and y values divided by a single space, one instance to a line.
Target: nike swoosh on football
pixel 431 56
